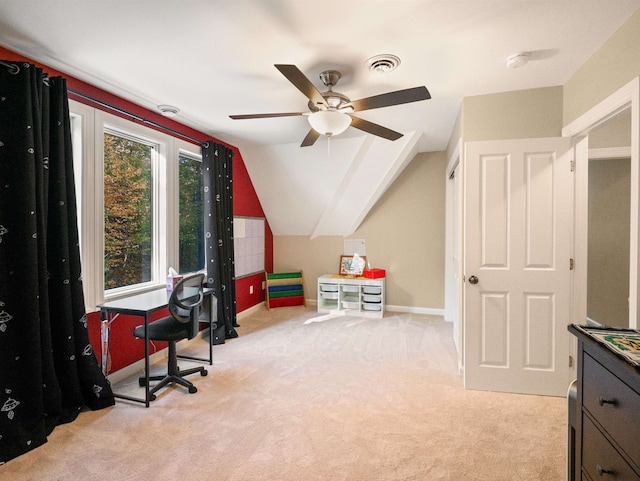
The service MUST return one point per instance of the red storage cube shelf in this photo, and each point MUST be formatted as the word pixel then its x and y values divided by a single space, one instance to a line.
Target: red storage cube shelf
pixel 284 289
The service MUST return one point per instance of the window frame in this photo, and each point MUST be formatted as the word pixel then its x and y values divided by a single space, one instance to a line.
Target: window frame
pixel 187 150
pixel 158 203
pixel 88 127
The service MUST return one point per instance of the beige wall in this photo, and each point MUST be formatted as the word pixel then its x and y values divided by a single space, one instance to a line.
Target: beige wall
pixel 614 133
pixel 519 114
pixel 456 134
pixel 611 67
pixel 404 234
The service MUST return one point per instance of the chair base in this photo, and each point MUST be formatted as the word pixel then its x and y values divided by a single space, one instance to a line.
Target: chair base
pixel 172 379
pixel 173 376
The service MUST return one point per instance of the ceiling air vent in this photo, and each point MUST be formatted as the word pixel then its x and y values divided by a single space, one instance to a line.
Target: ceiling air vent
pixel 168 110
pixel 383 63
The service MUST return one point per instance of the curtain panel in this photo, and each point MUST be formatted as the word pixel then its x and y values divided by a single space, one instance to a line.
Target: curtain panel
pixel 218 222
pixel 48 371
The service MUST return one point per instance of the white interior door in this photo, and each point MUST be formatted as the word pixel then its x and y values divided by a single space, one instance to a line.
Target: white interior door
pixel 518 218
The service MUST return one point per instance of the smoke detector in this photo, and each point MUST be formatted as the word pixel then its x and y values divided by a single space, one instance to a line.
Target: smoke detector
pixel 168 110
pixel 517 60
pixel 383 63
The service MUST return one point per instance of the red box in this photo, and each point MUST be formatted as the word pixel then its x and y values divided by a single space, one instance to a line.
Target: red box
pixel 374 273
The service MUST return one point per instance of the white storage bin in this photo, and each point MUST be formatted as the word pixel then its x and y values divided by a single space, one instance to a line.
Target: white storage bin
pixel 350 305
pixel 329 295
pixel 371 307
pixel 348 288
pixel 368 298
pixel 371 290
pixel 329 287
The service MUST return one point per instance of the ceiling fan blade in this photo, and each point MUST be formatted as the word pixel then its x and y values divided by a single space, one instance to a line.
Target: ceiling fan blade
pixel 265 116
pixel 302 83
pixel 391 98
pixel 310 139
pixel 374 129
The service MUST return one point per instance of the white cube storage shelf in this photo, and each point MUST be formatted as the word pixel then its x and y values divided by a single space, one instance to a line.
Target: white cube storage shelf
pixel 358 294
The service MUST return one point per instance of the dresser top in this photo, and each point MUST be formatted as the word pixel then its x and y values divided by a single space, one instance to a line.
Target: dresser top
pixel 624 343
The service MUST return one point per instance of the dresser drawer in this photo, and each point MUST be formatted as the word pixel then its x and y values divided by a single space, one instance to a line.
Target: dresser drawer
pixel 600 460
pixel 621 415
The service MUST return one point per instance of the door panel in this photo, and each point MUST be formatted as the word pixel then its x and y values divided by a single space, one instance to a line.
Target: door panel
pixel 494 210
pixel 495 329
pixel 539 210
pixel 518 208
pixel 539 310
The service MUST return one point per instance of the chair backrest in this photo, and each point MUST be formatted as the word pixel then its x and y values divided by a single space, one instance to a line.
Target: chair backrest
pixel 185 301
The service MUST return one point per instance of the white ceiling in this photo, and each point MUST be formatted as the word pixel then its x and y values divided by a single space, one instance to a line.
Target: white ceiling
pixel 215 58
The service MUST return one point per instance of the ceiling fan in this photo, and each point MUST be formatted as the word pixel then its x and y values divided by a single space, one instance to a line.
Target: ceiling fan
pixel 330 112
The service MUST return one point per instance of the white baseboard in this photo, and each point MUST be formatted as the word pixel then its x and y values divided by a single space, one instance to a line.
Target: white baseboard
pixel 249 311
pixel 593 323
pixel 415 310
pixel 393 308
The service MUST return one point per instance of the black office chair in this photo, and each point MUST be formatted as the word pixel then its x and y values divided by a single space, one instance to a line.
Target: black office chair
pixel 184 307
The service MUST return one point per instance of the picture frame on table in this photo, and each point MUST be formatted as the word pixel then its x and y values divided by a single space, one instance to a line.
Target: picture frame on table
pixel 352 265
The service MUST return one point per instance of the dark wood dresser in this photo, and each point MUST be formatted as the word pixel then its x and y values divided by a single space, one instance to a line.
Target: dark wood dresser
pixel 607 415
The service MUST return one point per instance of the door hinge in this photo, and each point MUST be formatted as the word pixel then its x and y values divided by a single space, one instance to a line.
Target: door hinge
pixel 572 166
pixel 571 264
pixel 570 361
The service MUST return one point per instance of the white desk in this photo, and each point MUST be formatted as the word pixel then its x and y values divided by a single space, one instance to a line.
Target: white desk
pixel 144 305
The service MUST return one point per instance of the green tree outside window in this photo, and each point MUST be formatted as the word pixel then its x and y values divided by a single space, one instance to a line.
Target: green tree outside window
pixel 191 235
pixel 127 211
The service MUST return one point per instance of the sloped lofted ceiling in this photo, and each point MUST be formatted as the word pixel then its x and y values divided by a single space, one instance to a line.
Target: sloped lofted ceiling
pixel 215 58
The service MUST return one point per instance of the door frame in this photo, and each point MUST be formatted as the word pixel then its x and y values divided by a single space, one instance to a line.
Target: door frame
pixel 454 249
pixel 627 97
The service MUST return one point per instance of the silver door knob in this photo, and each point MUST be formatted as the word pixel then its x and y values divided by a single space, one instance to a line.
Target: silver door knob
pixel 473 280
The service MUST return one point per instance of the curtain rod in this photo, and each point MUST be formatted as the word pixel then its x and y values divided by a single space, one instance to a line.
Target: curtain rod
pixel 137 117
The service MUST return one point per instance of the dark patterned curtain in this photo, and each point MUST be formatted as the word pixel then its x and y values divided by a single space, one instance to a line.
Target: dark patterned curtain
pixel 218 225
pixel 48 371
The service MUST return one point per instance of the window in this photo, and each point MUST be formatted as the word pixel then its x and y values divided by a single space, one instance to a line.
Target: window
pixel 140 204
pixel 191 214
pixel 128 202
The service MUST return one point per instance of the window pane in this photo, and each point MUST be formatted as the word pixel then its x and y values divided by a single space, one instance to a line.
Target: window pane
pixel 127 211
pixel 191 215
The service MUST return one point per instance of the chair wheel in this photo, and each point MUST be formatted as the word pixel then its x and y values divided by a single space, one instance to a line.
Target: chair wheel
pixel 152 397
pixel 203 372
pixel 193 389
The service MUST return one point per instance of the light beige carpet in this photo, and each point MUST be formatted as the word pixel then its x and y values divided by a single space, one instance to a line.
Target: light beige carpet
pixel 343 399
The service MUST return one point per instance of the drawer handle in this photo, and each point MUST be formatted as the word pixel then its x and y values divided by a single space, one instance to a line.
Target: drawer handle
pixel 602 471
pixel 602 401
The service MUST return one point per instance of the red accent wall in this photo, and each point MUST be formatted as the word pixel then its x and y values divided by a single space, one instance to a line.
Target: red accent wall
pixel 246 203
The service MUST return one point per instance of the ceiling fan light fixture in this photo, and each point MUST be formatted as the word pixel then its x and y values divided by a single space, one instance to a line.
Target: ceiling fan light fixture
pixel 329 122
pixel 383 63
